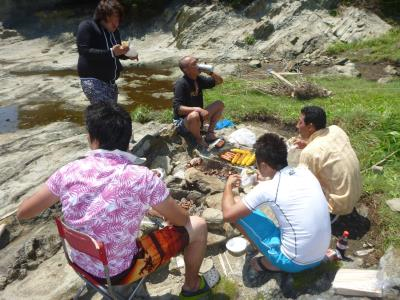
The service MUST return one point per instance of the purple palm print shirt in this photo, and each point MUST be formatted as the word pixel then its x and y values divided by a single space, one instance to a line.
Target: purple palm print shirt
pixel 106 196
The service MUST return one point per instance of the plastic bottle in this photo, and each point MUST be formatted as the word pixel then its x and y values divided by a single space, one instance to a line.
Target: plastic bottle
pixel 342 245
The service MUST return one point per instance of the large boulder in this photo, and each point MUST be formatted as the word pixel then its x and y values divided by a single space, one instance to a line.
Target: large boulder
pixel 356 24
pixel 348 70
pixel 163 162
pixel 151 146
pixel 391 70
pixel 214 201
pixel 389 273
pixel 263 30
pixel 29 157
pixel 213 218
pixel 202 182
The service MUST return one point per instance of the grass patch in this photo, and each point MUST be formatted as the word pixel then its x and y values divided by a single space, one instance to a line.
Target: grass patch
pixel 383 48
pixel 250 40
pixel 141 114
pixel 144 114
pixel 225 289
pixel 367 111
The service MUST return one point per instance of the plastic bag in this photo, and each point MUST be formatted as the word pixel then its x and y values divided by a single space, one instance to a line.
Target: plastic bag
pixel 223 124
pixel 243 136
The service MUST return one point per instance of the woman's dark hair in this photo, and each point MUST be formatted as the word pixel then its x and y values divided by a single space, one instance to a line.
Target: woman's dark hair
pixel 106 8
pixel 271 149
pixel 315 115
pixel 110 125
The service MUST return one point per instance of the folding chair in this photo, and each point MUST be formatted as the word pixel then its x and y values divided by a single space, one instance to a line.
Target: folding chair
pixel 86 244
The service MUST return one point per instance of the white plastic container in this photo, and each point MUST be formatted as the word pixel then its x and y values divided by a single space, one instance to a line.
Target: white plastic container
pixel 237 245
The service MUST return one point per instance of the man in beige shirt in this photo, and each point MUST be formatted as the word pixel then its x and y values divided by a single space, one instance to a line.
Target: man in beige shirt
pixel 329 156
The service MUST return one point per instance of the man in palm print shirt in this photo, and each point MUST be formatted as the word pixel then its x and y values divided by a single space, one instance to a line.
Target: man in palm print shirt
pixel 106 196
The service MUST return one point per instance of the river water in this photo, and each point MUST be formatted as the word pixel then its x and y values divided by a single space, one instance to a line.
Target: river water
pixel 143 86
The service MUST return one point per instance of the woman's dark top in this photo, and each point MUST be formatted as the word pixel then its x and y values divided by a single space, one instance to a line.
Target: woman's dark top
pixel 95 57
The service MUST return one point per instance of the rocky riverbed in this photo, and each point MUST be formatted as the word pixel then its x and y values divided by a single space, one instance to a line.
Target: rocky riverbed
pixel 31 253
pixel 41 108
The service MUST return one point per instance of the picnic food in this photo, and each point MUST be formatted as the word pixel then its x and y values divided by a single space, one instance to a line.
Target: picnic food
pixel 239 157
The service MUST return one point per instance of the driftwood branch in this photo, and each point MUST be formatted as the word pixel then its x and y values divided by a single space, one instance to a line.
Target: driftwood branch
pixel 289 73
pixel 8 214
pixel 381 161
pixel 281 78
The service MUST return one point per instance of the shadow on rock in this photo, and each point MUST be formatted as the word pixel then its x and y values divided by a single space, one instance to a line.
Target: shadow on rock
pixel 356 224
pixel 279 285
pixel 252 278
pixel 313 282
pixel 5 238
pixel 159 276
pixel 219 296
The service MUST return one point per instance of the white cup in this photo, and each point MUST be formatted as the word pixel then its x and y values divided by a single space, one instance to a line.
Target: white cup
pixel 248 179
pixel 132 52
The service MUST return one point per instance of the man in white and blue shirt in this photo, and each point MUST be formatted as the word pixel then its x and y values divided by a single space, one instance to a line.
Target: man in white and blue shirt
pixel 296 198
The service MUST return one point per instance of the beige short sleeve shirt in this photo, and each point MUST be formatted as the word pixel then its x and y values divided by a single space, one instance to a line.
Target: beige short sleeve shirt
pixel 330 157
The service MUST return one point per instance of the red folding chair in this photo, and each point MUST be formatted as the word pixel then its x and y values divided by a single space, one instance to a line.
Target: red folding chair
pixel 86 244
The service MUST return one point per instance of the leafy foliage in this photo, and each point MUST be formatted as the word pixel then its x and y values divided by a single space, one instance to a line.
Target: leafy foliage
pixel 250 40
pixel 386 8
pixel 142 114
pixel 385 47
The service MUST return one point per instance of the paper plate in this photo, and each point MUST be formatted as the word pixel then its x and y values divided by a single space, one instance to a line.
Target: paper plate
pixel 236 245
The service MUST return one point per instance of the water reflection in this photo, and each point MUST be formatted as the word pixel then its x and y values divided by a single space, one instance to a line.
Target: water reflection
pixel 8 118
pixel 47 113
pixel 143 86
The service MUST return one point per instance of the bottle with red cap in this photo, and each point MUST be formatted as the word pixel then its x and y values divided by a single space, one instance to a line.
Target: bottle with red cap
pixel 342 244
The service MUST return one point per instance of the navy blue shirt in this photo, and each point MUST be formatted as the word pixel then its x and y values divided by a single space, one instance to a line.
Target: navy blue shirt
pixel 185 92
pixel 95 58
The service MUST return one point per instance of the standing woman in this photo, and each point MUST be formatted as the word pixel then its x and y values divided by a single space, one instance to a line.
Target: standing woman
pixel 100 49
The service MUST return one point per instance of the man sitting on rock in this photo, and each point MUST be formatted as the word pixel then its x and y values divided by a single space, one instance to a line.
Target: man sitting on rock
pixel 328 154
pixel 298 203
pixel 106 196
pixel 189 114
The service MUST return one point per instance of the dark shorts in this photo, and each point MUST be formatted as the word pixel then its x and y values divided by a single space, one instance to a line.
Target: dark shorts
pixel 180 126
pixel 99 91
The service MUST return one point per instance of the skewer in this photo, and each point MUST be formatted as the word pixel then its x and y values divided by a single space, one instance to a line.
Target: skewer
pixel 222 264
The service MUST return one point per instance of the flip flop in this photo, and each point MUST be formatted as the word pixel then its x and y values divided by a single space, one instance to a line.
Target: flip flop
pixel 202 291
pixel 260 265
